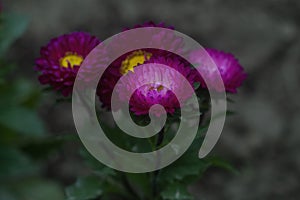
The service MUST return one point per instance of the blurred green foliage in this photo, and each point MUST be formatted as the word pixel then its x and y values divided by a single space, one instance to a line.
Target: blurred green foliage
pixel 12 27
pixel 21 129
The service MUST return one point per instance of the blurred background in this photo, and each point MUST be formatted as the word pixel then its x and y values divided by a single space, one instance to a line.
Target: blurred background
pixel 262 140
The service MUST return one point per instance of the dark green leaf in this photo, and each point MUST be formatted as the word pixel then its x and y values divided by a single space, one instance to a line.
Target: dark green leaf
pixel 140 183
pixel 183 168
pixel 176 191
pixel 12 27
pixel 187 165
pixel 221 163
pixel 19 92
pixel 22 120
pixel 188 168
pixel 38 189
pixel 6 194
pixel 14 164
pixel 98 168
pixel 85 188
pixel 5 69
pixel 41 148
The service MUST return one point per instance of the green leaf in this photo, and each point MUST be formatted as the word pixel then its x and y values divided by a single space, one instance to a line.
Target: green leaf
pixel 5 69
pixel 22 120
pixel 11 28
pixel 41 148
pixel 7 195
pixel 38 189
pixel 15 164
pixel 176 191
pixel 19 92
pixel 182 168
pixel 123 140
pixel 31 189
pixel 98 168
pixel 187 165
pixel 85 188
pixel 26 93
pixel 140 183
pixel 221 163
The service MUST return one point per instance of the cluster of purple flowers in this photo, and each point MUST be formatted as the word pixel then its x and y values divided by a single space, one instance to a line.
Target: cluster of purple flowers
pixel 61 58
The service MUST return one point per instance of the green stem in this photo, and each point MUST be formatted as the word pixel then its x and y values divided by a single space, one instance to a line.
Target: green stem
pixel 127 185
pixel 159 141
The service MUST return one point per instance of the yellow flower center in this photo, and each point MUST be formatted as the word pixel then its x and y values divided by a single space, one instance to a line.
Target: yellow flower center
pixel 71 59
pixel 131 61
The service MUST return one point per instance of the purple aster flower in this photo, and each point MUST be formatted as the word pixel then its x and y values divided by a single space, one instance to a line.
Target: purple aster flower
pixel 130 60
pixel 61 59
pixel 231 71
pixel 156 93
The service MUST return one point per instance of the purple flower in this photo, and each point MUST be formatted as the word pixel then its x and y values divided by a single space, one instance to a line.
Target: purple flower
pixel 156 93
pixel 130 60
pixel 231 71
pixel 61 58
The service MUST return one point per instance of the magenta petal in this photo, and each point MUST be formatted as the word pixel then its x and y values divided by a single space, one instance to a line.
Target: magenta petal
pixel 231 71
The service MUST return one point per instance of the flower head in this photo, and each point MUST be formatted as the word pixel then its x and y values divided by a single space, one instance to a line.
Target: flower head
pixel 230 69
pixel 61 58
pixel 130 60
pixel 146 96
pixel 232 73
